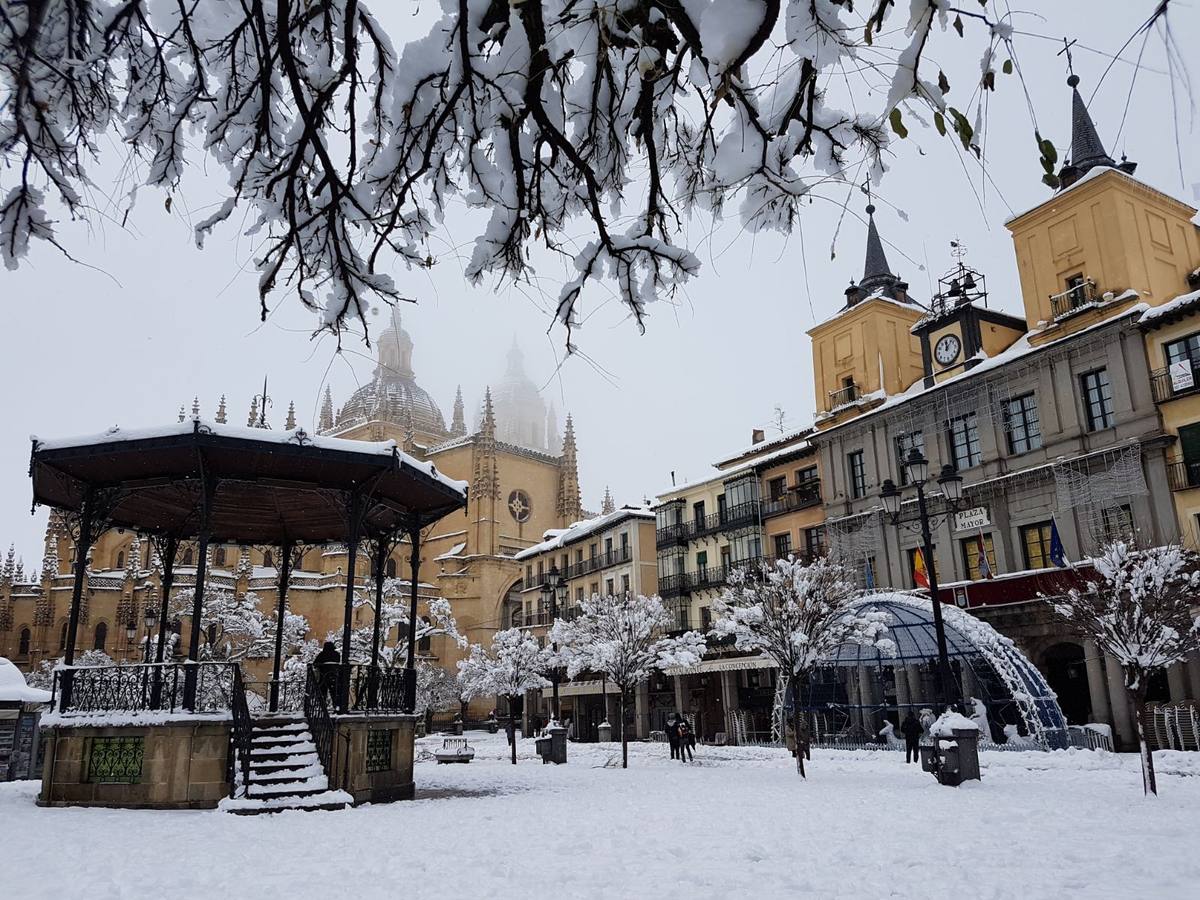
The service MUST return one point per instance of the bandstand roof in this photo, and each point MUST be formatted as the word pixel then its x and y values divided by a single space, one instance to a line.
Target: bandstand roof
pixel 268 486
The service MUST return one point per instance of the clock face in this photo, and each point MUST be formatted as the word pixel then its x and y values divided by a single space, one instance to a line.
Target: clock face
pixel 946 350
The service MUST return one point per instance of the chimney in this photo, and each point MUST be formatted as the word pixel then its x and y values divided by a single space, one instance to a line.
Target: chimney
pixel 757 436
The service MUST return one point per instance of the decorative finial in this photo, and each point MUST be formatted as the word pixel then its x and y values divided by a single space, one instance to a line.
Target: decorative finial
pixel 290 424
pixel 196 406
pixel 1072 80
pixel 221 416
pixel 870 209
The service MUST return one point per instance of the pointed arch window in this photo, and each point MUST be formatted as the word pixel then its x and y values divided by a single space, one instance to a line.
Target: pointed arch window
pixel 62 638
pixel 268 559
pixel 189 558
pixel 390 568
pixel 120 559
pixel 23 642
pixel 219 556
pixel 101 637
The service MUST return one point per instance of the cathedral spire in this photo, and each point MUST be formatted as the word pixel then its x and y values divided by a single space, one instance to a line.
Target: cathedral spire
pixel 1087 150
pixel 195 407
pixel 486 481
pixel 458 427
pixel 607 506
pixel 325 423
pixel 221 416
pixel 182 414
pixel 290 424
pixel 570 508
pixel 253 418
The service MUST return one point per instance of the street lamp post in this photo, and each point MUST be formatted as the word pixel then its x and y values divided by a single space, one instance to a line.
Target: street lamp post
pixel 554 583
pixel 951 484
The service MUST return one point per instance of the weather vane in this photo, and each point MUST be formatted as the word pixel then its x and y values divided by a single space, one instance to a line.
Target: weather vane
pixel 958 249
pixel 1067 50
pixel 262 409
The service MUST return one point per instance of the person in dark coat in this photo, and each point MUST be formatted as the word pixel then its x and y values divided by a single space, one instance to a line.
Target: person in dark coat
pixel 687 740
pixel 911 729
pixel 326 665
pixel 673 734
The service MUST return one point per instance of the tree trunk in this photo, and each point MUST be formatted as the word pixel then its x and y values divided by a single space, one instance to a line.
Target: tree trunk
pixel 1137 701
pixel 796 735
pixel 624 738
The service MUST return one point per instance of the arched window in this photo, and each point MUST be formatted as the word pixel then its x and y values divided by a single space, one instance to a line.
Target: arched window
pixel 101 637
pixel 120 560
pixel 268 559
pixel 424 643
pixel 23 643
pixel 189 558
pixel 62 638
pixel 390 568
pixel 219 556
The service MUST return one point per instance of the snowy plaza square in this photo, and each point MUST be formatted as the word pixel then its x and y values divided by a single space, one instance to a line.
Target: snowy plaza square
pixel 738 822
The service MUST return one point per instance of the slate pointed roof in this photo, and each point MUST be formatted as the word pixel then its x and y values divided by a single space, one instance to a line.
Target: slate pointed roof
pixel 1087 150
pixel 876 272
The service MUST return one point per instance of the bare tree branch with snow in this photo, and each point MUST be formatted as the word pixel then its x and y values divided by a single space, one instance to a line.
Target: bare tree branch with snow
pixel 1142 612
pixel 797 614
pixel 590 128
pixel 623 637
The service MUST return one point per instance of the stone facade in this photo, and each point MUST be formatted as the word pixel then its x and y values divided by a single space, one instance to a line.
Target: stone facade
pixel 184 765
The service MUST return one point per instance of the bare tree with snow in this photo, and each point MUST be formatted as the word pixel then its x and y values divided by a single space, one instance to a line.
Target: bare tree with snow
pixel 590 128
pixel 514 664
pixel 797 614
pixel 234 626
pixel 1141 611
pixel 623 637
pixel 393 649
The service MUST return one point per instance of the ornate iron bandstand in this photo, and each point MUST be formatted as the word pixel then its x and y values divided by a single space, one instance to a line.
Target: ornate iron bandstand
pixel 208 483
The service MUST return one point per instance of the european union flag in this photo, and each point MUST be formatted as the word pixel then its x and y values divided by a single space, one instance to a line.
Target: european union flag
pixel 1058 555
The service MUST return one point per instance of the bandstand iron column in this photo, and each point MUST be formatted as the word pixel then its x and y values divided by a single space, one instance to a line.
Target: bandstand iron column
pixel 82 545
pixel 354 505
pixel 208 487
pixel 410 667
pixel 285 572
pixel 169 548
pixel 382 545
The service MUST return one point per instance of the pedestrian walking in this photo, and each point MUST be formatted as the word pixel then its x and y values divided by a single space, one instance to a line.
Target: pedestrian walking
pixel 912 730
pixel 687 741
pixel 673 734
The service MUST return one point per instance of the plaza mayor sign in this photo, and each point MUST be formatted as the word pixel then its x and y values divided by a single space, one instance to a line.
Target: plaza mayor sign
pixel 971 519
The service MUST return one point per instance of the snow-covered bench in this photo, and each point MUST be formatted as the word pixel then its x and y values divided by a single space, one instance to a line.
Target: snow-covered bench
pixel 455 750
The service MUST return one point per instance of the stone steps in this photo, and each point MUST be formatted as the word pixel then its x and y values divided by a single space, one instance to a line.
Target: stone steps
pixel 285 772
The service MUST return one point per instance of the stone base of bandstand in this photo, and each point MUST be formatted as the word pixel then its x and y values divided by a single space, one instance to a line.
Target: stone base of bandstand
pixel 184 764
pixel 349 770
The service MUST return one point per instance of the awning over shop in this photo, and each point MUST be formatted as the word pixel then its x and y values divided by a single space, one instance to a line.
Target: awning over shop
pixel 723 664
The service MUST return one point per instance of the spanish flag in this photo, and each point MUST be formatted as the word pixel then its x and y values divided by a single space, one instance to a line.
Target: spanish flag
pixel 920 573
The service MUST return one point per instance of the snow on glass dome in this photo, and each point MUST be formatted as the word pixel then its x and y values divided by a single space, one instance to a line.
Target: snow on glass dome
pixel 1011 688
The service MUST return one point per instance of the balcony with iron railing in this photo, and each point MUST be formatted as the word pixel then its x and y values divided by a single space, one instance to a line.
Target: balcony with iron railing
pixel 1073 299
pixel 1183 475
pixel 1169 383
pixel 802 496
pixel 702 526
pixel 602 561
pixel 843 395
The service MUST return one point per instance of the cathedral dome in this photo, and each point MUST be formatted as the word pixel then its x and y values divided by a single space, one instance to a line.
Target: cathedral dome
pixel 520 410
pixel 393 392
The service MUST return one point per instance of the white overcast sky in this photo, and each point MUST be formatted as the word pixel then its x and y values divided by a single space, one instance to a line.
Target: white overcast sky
pixel 150 322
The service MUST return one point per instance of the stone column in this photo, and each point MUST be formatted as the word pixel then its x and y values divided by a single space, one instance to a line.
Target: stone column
pixel 1122 715
pixel 1193 667
pixel 916 686
pixel 641 703
pixel 902 695
pixel 1177 682
pixel 1101 711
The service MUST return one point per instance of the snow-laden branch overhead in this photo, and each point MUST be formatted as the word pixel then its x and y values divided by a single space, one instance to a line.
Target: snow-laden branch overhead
pixel 593 128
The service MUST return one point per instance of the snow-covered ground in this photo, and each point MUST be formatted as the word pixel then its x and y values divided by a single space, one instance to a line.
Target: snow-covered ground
pixel 737 822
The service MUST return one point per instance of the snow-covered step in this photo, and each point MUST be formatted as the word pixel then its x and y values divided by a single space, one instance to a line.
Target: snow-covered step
pixel 297 763
pixel 281 751
pixel 250 806
pixel 296 787
pixel 279 740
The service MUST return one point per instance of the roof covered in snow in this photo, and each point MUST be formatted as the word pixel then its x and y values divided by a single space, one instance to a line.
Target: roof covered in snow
pixel 13 688
pixel 561 537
